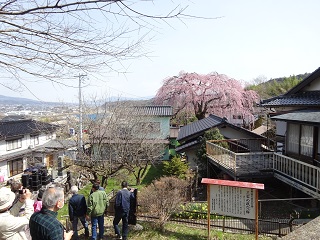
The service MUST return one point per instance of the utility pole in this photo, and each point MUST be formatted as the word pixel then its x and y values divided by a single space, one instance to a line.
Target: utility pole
pixel 80 136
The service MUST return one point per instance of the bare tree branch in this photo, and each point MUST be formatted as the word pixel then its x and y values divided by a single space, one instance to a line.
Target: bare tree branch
pixel 49 39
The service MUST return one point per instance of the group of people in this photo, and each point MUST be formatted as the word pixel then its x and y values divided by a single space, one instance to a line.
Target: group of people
pixel 34 223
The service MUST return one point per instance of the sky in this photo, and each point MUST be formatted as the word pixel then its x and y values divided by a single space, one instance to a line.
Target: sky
pixel 244 39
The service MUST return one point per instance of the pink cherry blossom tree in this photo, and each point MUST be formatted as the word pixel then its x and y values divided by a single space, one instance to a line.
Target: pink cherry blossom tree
pixel 204 94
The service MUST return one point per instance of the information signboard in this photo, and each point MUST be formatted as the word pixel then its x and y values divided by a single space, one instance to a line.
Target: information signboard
pixel 232 198
pixel 232 201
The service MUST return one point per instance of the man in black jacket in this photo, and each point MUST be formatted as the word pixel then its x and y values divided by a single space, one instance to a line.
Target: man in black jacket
pixel 122 208
pixel 77 211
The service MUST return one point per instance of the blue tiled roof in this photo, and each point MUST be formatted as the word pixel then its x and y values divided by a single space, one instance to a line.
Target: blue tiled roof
pixel 199 126
pixel 22 127
pixel 310 99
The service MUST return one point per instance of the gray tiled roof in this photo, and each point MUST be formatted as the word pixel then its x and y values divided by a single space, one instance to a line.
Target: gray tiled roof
pixel 295 96
pixel 22 127
pixel 310 116
pixel 199 126
pixel 310 99
pixel 14 155
pixel 191 132
pixel 155 110
pixel 60 144
pixel 187 145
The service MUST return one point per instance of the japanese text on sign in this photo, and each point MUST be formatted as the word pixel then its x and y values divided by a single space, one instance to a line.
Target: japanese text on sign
pixel 232 201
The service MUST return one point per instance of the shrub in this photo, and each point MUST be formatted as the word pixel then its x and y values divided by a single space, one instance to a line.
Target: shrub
pixel 175 167
pixel 163 197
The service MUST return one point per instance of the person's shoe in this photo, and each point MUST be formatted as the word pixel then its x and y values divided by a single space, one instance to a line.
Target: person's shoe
pixel 118 236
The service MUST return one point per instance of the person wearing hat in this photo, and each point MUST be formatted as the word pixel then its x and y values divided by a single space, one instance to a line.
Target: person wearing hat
pixel 11 225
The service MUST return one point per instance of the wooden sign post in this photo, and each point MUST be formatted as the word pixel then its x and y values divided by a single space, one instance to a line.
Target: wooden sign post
pixel 233 198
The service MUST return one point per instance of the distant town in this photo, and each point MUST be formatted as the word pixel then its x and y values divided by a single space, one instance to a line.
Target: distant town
pixel 10 106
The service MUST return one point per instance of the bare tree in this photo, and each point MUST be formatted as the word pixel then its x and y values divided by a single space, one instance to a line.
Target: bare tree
pixel 47 39
pixel 120 138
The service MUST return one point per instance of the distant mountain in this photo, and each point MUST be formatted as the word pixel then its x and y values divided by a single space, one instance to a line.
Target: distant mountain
pixel 281 79
pixel 5 100
pixel 277 86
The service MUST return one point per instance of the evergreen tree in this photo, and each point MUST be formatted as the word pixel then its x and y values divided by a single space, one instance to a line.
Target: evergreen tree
pixel 176 167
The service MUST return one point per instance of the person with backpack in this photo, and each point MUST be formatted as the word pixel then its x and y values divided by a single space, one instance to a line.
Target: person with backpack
pixel 122 208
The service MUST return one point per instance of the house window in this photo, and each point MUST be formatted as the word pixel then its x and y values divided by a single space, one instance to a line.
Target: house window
pixel 306 145
pixel 34 140
pixel 151 127
pixel 300 139
pixel 48 136
pixel 237 117
pixel 15 166
pixel 14 144
pixel 293 138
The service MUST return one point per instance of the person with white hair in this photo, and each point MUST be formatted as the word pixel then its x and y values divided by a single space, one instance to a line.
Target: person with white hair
pixel 13 226
pixel 77 211
pixel 44 225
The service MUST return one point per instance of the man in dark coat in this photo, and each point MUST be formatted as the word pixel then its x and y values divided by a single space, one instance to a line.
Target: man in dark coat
pixel 122 208
pixel 77 211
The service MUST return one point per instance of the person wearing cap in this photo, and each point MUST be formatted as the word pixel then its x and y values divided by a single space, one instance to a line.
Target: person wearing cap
pixel 11 225
pixel 77 211
pixel 44 225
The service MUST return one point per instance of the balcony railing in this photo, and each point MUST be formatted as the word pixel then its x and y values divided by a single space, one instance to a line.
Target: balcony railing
pixel 245 161
pixel 298 174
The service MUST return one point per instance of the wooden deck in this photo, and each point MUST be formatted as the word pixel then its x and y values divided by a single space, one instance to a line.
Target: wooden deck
pixel 300 175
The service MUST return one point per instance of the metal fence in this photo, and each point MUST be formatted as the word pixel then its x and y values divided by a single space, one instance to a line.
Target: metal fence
pixel 278 227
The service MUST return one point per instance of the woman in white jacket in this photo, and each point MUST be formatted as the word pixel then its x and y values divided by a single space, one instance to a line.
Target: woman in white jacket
pixel 12 225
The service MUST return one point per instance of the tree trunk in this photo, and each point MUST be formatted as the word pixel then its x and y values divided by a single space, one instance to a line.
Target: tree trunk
pixel 138 180
pixel 200 115
pixel 104 181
